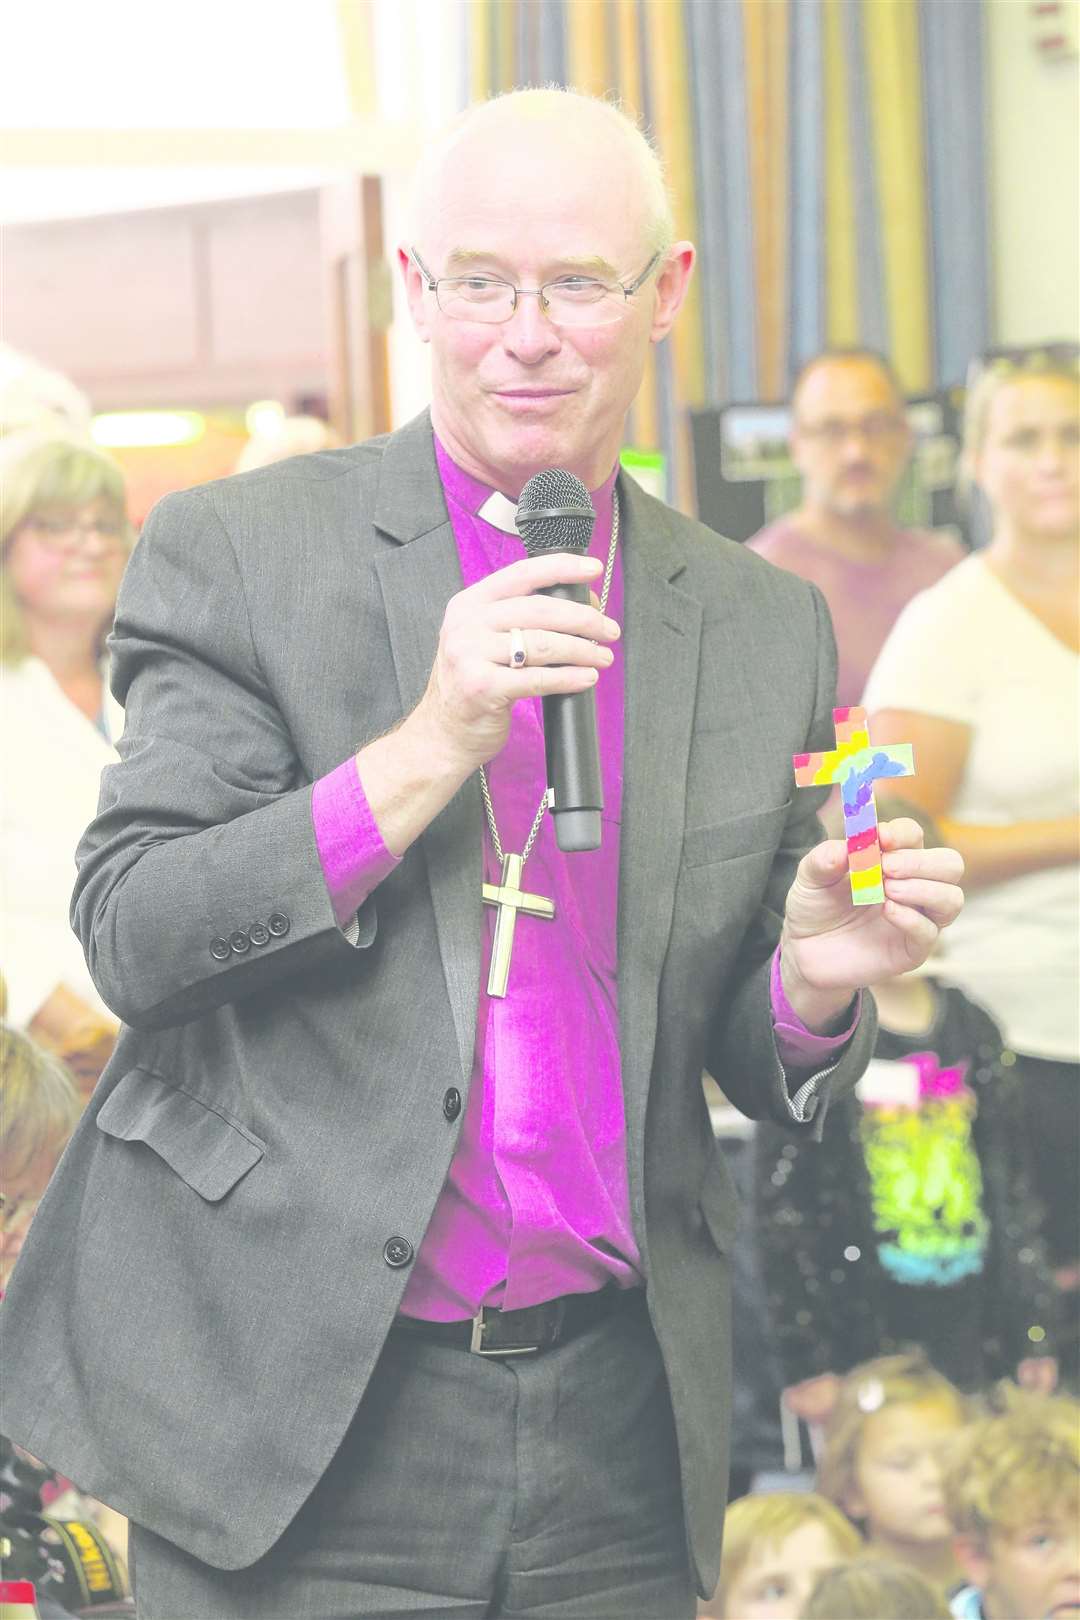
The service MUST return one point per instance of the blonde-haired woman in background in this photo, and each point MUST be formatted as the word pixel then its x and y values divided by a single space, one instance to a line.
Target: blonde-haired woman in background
pixel 64 541
pixel 981 674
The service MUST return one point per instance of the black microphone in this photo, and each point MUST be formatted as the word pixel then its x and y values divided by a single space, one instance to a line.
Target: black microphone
pixel 554 513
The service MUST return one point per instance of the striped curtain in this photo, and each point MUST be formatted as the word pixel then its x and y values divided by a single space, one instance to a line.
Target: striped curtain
pixel 827 156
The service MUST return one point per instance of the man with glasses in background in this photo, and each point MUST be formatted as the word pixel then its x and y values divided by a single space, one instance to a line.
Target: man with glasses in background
pixel 851 442
pixel 402 1283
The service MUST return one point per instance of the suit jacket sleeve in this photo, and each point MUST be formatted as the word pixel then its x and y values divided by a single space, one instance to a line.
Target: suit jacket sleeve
pixel 742 1050
pixel 204 828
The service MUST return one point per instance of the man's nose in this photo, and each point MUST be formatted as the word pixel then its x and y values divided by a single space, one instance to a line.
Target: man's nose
pixel 529 335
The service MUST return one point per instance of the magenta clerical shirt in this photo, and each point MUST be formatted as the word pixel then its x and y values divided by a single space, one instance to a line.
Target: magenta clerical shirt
pixel 536 1202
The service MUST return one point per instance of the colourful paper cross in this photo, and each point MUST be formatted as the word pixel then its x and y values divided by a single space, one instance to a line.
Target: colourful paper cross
pixel 857 766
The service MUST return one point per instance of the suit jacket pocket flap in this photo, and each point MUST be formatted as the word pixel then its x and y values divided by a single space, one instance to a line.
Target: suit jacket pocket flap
pixel 758 832
pixel 205 1149
pixel 720 1202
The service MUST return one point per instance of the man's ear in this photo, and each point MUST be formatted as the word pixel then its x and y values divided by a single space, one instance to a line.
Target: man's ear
pixel 671 285
pixel 414 285
pixel 972 1556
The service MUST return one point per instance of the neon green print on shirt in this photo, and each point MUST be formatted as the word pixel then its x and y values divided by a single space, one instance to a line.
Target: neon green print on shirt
pixel 925 1180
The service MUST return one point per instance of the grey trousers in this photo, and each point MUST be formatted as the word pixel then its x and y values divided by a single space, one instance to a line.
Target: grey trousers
pixel 543 1486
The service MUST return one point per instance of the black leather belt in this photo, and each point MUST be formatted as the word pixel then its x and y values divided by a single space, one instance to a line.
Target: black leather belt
pixel 526 1332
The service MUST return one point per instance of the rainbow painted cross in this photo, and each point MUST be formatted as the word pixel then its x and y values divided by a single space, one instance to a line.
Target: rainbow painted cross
pixel 857 766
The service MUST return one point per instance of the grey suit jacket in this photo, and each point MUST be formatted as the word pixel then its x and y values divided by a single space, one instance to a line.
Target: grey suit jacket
pixel 210 1278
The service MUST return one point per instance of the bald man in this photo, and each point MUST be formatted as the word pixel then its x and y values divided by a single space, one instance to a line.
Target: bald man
pixel 387 1272
pixel 851 442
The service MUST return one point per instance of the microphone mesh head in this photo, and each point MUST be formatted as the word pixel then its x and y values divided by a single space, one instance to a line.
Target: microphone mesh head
pixel 554 513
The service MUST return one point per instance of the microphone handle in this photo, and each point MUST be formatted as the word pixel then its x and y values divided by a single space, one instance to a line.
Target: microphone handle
pixel 573 754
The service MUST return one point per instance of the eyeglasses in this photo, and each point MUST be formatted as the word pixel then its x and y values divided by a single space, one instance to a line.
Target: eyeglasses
pixel 876 429
pixel 570 300
pixel 68 534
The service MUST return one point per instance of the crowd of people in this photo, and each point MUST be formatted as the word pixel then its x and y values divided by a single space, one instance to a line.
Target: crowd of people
pixel 917 1267
pixel 927 1504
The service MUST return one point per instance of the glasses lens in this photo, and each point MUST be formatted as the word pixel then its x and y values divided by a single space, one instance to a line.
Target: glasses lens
pixel 475 298
pixel 583 303
pixel 876 429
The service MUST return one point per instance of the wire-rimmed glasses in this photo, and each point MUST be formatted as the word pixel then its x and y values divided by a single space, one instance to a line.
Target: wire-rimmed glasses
pixel 567 300
pixel 879 427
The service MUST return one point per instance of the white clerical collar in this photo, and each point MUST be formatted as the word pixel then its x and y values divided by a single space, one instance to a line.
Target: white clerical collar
pixel 500 513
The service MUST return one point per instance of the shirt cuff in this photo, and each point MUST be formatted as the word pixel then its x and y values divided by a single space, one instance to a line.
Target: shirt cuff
pixel 799 1048
pixel 352 854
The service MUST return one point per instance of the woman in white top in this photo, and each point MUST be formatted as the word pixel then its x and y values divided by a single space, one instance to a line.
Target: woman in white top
pixel 981 674
pixel 65 539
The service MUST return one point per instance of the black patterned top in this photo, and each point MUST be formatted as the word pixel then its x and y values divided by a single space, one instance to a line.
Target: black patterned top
pixel 912 1221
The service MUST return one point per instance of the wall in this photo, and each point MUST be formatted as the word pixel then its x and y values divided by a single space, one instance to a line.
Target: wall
pixel 1034 117
pixel 213 303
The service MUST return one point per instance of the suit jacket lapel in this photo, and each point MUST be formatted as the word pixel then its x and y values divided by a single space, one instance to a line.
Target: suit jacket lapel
pixel 662 637
pixel 418 571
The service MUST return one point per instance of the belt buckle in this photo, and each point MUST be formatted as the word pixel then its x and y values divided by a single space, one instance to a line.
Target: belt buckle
pixel 480 1323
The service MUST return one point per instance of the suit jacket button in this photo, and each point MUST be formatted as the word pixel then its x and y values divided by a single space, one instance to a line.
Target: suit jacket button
pixel 397 1252
pixel 259 934
pixel 278 924
pixel 451 1103
pixel 219 950
pixel 239 942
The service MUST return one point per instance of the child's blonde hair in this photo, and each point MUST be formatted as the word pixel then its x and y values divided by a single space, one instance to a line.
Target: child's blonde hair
pixel 39 1103
pixel 874 1589
pixel 773 1517
pixel 1015 1464
pixel 869 1388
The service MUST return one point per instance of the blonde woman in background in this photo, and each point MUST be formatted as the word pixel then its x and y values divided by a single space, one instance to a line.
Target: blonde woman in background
pixel 981 674
pixel 64 541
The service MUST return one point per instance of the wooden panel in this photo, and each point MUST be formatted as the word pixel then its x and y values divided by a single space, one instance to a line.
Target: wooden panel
pixel 359 306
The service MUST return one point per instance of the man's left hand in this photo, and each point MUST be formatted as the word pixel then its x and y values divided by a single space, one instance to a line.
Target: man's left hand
pixel 831 948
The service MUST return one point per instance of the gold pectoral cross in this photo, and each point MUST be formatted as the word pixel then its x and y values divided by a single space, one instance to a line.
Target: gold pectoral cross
pixel 510 898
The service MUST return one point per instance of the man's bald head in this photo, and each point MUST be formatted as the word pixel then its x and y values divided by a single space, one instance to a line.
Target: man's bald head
pixel 540 189
pixel 858 362
pixel 532 121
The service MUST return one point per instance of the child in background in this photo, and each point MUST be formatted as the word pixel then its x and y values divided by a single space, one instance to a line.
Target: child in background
pixel 874 1589
pixel 39 1109
pixel 881 1461
pixel 775 1547
pixel 912 1222
pixel 1012 1489
pixel 51 1534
